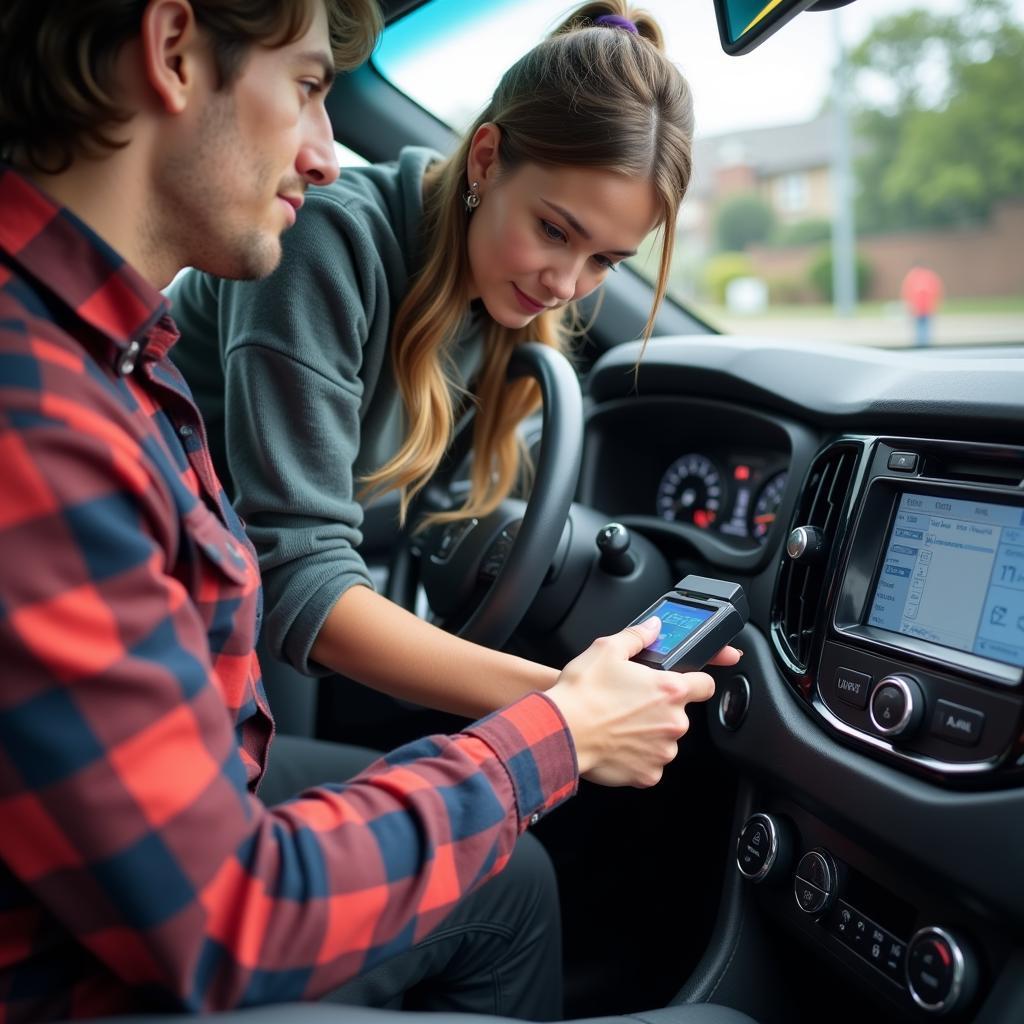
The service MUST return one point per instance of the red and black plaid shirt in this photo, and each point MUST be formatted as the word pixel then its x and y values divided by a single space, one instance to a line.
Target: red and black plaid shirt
pixel 137 868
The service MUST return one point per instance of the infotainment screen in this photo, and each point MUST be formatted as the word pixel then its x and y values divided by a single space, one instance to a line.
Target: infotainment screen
pixel 953 574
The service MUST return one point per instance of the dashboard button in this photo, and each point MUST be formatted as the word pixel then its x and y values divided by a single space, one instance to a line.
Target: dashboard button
pixel 858 932
pixel 896 706
pixel 842 921
pixel 941 971
pixel 753 849
pixel 852 687
pixel 809 898
pixel 903 462
pixel 764 848
pixel 892 959
pixel 733 704
pixel 814 868
pixel 957 723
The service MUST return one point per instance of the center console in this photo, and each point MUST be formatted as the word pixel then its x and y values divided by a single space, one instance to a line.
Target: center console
pixel 921 658
pixel 898 621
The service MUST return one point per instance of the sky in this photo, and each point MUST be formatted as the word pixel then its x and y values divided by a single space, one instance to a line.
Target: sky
pixel 451 66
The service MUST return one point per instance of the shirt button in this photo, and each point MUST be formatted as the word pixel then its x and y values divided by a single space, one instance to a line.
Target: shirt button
pixel 185 430
pixel 126 363
pixel 534 818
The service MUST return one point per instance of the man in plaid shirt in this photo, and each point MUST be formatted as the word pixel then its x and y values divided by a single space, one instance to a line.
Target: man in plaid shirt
pixel 138 867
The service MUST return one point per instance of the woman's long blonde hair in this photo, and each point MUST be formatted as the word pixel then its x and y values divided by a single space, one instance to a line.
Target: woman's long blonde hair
pixel 588 96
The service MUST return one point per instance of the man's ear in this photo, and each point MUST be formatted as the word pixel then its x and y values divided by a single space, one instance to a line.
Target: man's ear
pixel 171 51
pixel 482 164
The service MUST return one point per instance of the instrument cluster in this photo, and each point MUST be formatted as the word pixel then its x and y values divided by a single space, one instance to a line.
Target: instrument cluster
pixel 734 494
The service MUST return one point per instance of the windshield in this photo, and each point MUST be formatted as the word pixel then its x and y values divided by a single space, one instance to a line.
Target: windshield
pixel 859 177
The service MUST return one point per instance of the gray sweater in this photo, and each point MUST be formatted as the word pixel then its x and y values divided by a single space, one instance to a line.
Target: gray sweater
pixel 294 380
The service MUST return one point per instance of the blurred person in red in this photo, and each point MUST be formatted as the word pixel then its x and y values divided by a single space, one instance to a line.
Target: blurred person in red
pixel 921 292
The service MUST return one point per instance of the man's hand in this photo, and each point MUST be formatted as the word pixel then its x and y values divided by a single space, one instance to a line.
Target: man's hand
pixel 626 719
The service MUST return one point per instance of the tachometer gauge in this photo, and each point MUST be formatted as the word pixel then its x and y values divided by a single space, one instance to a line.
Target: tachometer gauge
pixel 691 491
pixel 766 505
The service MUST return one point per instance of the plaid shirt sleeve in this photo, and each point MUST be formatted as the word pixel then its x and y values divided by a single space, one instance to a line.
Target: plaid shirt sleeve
pixel 128 825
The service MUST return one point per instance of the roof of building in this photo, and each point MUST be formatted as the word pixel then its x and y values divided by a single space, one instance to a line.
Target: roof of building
pixel 781 149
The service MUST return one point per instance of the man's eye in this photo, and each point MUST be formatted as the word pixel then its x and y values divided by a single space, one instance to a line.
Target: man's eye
pixel 549 229
pixel 309 86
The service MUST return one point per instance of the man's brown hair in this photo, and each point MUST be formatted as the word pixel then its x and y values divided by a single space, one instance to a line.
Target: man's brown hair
pixel 57 62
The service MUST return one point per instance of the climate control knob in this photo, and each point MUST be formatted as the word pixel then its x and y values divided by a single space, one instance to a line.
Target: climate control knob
pixel 815 881
pixel 764 848
pixel 942 973
pixel 896 706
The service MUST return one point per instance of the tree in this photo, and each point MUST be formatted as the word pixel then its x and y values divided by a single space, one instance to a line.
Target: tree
pixel 743 220
pixel 940 154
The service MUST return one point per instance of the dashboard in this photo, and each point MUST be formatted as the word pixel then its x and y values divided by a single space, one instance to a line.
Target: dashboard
pixel 877 722
pixel 720 471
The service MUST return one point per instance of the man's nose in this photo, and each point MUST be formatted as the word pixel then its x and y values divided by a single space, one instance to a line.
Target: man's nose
pixel 317 161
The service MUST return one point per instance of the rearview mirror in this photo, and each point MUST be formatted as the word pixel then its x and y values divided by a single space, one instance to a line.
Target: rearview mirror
pixel 744 24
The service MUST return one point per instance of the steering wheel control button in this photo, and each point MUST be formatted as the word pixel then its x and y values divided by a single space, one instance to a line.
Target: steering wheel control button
pixel 733 703
pixel 896 706
pixel 941 975
pixel 852 687
pixel 903 462
pixel 763 848
pixel 451 537
pixel 498 553
pixel 805 544
pixel 956 723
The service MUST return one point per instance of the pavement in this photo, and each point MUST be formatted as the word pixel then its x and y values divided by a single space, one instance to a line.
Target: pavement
pixel 958 329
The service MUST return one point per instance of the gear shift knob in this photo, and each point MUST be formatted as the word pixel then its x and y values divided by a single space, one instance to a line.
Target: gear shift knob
pixel 613 543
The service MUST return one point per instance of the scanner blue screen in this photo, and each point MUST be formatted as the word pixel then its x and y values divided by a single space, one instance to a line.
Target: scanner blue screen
pixel 678 621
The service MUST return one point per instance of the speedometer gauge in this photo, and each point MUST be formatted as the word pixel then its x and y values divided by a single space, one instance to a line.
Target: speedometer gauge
pixel 766 506
pixel 691 491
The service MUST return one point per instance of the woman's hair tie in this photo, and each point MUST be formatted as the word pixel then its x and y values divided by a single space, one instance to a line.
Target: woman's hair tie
pixel 616 21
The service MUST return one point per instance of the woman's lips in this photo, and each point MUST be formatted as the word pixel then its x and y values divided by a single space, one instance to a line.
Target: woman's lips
pixel 530 305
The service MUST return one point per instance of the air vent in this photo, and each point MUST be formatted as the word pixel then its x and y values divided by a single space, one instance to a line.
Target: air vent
pixel 800 590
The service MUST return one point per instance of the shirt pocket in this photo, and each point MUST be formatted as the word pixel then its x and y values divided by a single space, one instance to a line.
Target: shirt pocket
pixel 223 580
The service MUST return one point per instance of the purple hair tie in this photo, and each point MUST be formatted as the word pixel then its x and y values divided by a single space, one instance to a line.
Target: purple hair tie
pixel 616 21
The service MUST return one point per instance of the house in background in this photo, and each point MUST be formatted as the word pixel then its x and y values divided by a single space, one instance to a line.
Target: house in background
pixel 788 166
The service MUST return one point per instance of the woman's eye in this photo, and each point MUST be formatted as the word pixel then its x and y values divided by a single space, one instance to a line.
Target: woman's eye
pixel 549 229
pixel 604 263
pixel 309 86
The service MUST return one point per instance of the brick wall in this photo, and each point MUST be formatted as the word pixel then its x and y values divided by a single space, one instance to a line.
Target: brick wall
pixel 972 262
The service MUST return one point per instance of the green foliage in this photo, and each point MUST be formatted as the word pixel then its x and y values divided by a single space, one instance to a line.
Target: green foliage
pixel 939 158
pixel 789 291
pixel 819 274
pixel 804 232
pixel 723 268
pixel 743 220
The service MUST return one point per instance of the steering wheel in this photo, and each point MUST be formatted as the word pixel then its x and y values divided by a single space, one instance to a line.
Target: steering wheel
pixel 516 543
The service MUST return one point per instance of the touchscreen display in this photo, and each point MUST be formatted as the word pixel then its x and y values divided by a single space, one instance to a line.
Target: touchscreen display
pixel 678 621
pixel 953 574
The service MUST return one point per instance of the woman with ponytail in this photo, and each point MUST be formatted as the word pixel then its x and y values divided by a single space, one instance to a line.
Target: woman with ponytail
pixel 403 288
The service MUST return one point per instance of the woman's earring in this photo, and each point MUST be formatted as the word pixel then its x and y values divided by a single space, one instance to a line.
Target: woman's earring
pixel 472 197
